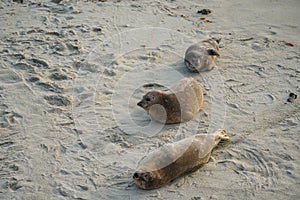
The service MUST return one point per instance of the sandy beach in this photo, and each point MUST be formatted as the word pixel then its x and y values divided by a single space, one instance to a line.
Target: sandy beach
pixel 72 72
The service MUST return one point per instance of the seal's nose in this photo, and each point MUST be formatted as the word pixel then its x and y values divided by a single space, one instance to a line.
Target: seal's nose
pixel 135 175
pixel 139 104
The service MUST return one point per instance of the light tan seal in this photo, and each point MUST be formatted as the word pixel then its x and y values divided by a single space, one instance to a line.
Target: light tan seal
pixel 176 105
pixel 176 159
pixel 200 57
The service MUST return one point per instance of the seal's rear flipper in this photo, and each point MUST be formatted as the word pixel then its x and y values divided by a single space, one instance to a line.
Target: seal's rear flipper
pixel 218 40
pixel 213 52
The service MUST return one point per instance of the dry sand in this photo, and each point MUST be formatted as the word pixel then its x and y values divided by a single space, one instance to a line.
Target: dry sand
pixel 71 74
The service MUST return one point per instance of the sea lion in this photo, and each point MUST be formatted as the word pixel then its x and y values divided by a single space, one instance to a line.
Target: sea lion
pixel 200 57
pixel 176 105
pixel 175 159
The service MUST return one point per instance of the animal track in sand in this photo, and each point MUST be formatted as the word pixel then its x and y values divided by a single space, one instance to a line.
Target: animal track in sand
pixel 65 49
pixel 58 100
pixel 33 79
pixel 23 66
pixel 38 63
pixel 254 165
pixel 10 118
pixel 52 87
pixel 58 76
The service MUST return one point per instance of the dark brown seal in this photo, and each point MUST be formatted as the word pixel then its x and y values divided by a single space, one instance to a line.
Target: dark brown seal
pixel 176 105
pixel 176 159
pixel 200 57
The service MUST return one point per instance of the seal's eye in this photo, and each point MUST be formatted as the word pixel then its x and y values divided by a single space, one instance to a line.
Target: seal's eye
pixel 148 177
pixel 148 99
pixel 135 175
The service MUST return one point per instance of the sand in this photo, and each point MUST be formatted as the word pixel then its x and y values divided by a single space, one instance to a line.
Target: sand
pixel 71 74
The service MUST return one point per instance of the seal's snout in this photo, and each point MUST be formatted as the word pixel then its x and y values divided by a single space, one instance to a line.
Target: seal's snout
pixel 135 175
pixel 140 104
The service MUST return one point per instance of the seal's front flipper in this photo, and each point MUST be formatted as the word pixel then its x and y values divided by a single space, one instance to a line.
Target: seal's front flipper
pixel 213 52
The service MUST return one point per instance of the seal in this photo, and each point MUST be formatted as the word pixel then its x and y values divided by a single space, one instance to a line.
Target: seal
pixel 179 104
pixel 176 159
pixel 200 57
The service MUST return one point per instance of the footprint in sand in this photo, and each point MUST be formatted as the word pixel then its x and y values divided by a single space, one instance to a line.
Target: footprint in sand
pixel 38 63
pixel 33 79
pixel 10 118
pixel 52 87
pixel 66 49
pixel 23 66
pixel 58 76
pixel 46 86
pixel 58 100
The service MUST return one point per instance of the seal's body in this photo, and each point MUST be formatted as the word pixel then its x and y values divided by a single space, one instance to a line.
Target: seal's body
pixel 176 159
pixel 200 57
pixel 176 105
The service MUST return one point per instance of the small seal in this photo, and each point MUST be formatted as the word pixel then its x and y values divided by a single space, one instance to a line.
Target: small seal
pixel 176 105
pixel 200 57
pixel 176 159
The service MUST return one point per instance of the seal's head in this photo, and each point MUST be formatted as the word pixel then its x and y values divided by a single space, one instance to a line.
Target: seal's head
pixel 147 180
pixel 149 99
pixel 193 61
pixel 199 57
pixel 198 61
